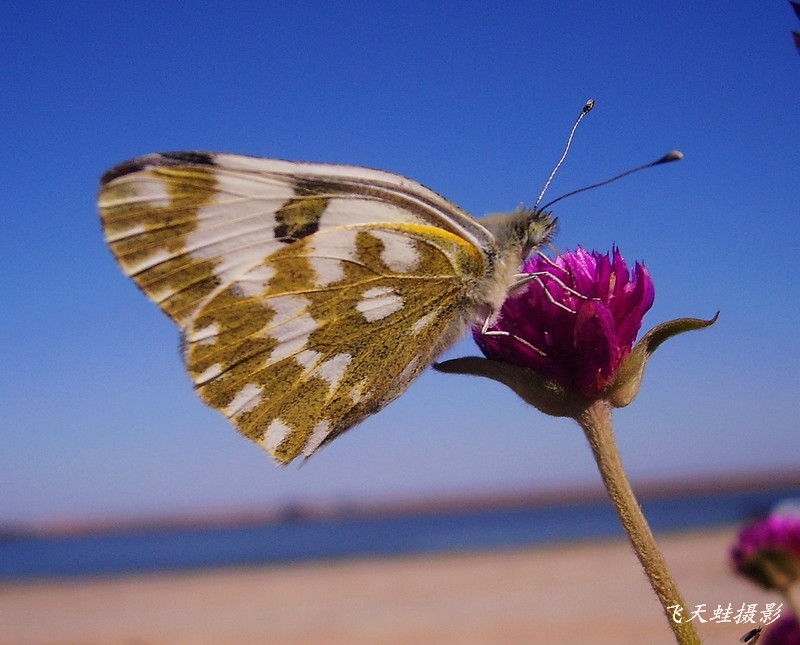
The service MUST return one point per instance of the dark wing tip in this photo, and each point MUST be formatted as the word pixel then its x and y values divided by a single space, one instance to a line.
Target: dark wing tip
pixel 158 160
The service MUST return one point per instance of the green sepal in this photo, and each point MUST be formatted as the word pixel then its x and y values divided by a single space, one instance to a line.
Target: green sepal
pixel 623 389
pixel 772 568
pixel 544 394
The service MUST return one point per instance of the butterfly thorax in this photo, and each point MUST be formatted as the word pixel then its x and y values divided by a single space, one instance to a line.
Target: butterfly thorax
pixel 516 234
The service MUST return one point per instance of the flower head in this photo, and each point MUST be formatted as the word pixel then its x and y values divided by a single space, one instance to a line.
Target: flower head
pixel 768 552
pixel 784 631
pixel 564 338
pixel 575 322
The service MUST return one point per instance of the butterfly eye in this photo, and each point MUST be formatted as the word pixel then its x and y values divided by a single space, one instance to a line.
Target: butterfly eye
pixel 541 227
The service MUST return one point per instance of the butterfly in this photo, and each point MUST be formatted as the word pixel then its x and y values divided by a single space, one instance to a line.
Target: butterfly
pixel 308 296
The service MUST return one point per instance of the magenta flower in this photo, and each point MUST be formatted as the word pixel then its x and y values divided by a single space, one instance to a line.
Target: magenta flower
pixel 768 552
pixel 566 337
pixel 784 631
pixel 576 322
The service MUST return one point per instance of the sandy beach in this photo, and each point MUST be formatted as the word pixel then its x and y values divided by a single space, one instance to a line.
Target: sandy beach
pixel 591 592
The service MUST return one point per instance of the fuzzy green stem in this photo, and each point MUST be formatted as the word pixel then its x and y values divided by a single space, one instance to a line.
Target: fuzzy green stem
pixel 596 423
pixel 792 600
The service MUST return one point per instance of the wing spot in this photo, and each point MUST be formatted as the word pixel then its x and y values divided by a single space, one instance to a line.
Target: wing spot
pixel 126 230
pixel 400 252
pixel 379 302
pixel 332 243
pixel 133 268
pixel 410 370
pixel 254 283
pixel 291 326
pixel 327 270
pixel 318 435
pixel 333 370
pixel 357 393
pixel 207 335
pixel 308 359
pixel 423 322
pixel 208 374
pixel 156 193
pixel 247 399
pixel 276 432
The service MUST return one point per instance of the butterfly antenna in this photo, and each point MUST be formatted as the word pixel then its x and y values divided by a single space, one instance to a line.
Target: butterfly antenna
pixel 586 109
pixel 675 155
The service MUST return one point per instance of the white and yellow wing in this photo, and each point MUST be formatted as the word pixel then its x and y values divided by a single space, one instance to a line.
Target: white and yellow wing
pixel 309 295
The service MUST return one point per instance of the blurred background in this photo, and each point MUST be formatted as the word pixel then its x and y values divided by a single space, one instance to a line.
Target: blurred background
pixel 474 100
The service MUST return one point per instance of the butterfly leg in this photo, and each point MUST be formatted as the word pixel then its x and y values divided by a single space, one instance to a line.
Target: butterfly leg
pixel 485 331
pixel 522 279
pixel 525 278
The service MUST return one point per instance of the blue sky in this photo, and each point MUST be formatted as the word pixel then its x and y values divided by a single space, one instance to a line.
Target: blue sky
pixel 473 100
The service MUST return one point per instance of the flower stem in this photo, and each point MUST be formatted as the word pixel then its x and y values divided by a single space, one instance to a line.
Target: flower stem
pixel 793 600
pixel 597 425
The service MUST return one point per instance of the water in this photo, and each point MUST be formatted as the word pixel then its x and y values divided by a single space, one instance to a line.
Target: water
pixel 25 558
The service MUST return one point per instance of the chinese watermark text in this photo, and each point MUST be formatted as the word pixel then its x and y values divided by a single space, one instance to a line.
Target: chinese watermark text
pixel 746 614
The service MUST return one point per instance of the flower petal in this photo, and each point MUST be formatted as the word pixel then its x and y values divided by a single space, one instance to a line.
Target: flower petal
pixel 768 552
pixel 595 343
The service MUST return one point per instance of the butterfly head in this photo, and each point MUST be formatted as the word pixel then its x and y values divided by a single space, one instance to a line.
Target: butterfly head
pixel 539 227
pixel 521 231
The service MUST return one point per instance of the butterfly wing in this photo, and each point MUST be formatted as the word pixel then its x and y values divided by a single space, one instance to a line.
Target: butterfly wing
pixel 309 295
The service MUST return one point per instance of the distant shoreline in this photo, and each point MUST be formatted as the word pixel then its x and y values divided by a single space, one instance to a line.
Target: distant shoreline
pixel 350 509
